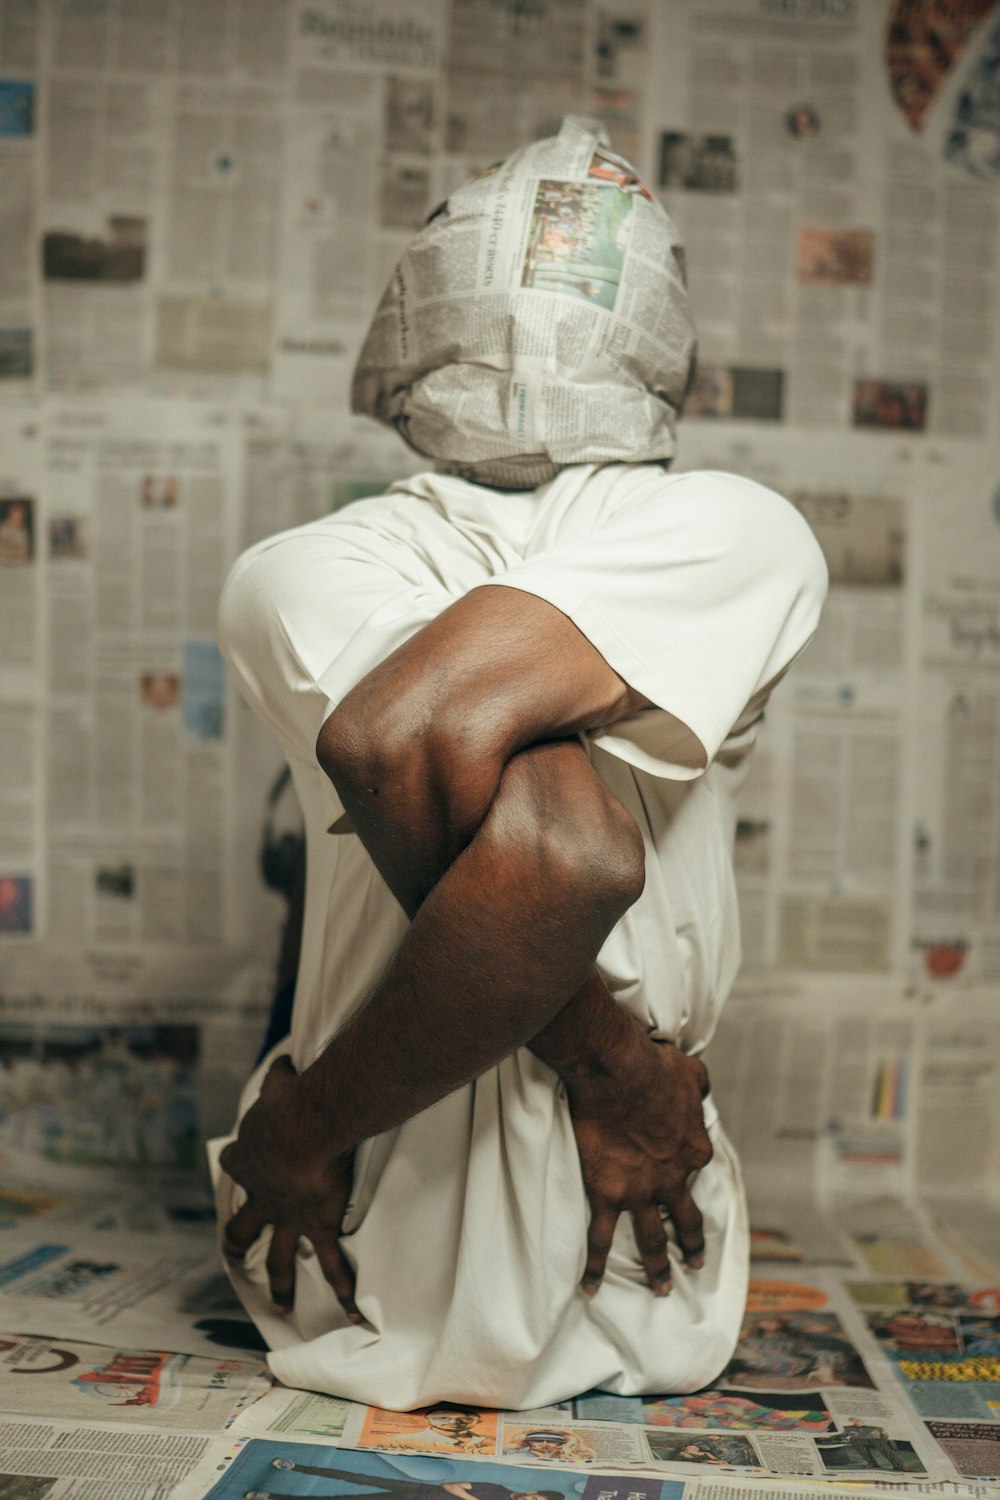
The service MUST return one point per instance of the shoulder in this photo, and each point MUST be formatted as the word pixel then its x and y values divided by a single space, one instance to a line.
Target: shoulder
pixel 739 502
pixel 729 519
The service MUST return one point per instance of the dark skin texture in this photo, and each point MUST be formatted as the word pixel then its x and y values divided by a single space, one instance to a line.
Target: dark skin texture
pixel 456 762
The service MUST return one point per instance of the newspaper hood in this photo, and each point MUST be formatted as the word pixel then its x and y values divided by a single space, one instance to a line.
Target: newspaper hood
pixel 539 319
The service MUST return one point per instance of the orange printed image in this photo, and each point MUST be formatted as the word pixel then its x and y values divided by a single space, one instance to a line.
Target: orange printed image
pixel 763 1296
pixel 767 1243
pixel 437 1429
pixel 923 40
pixel 160 689
pixel 835 257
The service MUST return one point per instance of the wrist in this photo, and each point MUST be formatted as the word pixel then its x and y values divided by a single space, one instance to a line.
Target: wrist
pixel 320 1118
pixel 593 1042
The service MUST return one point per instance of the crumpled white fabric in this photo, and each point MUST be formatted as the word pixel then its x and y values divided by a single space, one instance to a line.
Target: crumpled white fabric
pixel 468 1222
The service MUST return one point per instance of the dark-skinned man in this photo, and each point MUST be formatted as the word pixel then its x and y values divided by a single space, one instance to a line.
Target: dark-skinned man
pixel 518 695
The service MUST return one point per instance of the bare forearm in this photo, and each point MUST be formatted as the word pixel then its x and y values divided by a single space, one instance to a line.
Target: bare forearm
pixel 381 1071
pixel 505 940
pixel 514 862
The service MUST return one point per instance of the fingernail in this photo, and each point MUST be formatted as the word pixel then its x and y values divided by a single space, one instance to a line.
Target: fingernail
pixel 695 1262
pixel 664 1288
pixel 355 1317
pixel 281 1308
pixel 588 1288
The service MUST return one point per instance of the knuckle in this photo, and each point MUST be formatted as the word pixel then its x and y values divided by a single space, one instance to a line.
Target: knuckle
pixel 701 1155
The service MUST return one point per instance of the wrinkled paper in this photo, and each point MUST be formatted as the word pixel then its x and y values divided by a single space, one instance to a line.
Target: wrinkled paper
pixel 539 319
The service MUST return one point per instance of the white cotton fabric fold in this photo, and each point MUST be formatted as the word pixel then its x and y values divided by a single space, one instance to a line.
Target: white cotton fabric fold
pixel 467 1224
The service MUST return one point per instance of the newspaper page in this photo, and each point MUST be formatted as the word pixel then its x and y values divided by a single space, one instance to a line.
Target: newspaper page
pixel 56 1460
pixel 137 500
pixel 509 79
pixel 365 118
pixel 803 152
pixel 146 1291
pixel 21 629
pixel 19 172
pixel 121 827
pixel 268 1470
pixel 956 851
pixel 61 1378
pixel 834 1375
pixel 103 176
pixel 159 219
pixel 539 319
pixel 822 854
pixel 213 310
pixel 883 1095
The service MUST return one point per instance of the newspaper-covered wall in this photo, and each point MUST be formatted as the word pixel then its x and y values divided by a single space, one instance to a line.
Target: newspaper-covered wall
pixel 201 206
pixel 202 209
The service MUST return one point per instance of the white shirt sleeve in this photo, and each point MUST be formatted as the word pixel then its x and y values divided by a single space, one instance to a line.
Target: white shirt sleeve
pixel 742 582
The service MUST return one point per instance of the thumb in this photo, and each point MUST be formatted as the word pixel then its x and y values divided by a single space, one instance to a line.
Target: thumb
pixel 280 1071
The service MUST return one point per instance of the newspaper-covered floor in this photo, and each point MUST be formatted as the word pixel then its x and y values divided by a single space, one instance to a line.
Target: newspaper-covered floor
pixel 872 1357
pixel 869 1354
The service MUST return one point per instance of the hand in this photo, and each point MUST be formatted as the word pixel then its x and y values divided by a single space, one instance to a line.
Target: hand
pixel 292 1184
pixel 640 1132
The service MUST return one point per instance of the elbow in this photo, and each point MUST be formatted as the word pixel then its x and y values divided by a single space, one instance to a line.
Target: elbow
pixel 365 755
pixel 393 762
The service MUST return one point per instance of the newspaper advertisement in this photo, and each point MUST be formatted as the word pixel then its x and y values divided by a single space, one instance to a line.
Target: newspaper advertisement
pixel 44 1377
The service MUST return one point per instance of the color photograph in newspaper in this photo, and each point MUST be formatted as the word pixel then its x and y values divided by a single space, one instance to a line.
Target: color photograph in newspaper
pixel 281 1471
pixel 577 241
pixel 608 1444
pixel 45 1377
pixel 943 1343
pixel 446 1429
pixel 796 1399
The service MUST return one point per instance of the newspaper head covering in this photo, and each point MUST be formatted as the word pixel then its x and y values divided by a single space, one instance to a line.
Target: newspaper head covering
pixel 539 319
